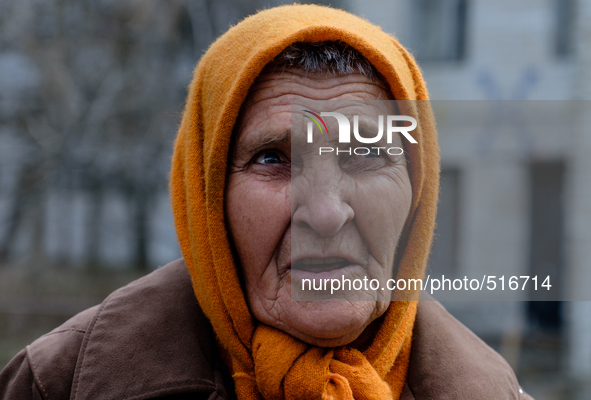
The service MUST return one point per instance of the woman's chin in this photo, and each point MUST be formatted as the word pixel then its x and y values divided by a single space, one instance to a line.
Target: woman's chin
pixel 328 323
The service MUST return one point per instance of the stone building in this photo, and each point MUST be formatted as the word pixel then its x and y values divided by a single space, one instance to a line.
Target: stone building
pixel 514 201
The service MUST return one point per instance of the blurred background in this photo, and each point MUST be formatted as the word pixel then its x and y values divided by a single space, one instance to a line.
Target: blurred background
pixel 91 93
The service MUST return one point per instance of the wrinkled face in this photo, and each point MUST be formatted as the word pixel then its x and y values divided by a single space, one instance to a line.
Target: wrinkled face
pixel 347 212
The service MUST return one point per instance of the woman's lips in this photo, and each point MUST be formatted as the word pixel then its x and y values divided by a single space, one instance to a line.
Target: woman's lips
pixel 324 268
pixel 320 264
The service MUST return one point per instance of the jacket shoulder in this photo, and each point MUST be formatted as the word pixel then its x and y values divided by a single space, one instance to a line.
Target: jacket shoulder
pixel 45 368
pixel 148 339
pixel 448 361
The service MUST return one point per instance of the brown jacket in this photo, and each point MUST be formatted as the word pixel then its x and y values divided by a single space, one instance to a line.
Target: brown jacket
pixel 150 340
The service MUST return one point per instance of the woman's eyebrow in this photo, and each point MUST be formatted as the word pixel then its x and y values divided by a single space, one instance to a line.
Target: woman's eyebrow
pixel 368 128
pixel 258 142
pixel 371 130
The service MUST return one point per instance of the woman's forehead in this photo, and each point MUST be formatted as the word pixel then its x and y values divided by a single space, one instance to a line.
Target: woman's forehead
pixel 273 98
pixel 294 84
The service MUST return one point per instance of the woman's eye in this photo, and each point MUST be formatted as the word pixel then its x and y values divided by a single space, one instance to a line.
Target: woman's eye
pixel 268 157
pixel 373 153
pixel 365 159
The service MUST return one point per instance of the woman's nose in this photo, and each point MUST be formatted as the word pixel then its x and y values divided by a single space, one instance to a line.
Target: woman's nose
pixel 320 202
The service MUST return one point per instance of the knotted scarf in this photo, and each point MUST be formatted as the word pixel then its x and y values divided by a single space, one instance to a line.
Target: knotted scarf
pixel 267 363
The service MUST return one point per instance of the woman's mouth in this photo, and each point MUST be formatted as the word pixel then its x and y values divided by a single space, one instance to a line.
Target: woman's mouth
pixel 320 264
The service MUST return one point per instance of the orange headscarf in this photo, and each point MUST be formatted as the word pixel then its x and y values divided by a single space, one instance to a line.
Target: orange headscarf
pixel 267 363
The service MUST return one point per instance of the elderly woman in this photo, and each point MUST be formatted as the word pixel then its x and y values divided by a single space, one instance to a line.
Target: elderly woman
pixel 254 214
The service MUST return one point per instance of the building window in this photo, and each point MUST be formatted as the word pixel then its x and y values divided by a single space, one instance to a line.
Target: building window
pixel 444 255
pixel 564 17
pixel 439 30
pixel 546 240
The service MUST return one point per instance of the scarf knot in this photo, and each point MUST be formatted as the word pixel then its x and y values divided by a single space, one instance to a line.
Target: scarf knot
pixel 286 368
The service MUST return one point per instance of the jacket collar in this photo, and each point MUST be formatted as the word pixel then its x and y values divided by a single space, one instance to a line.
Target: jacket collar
pixel 448 361
pixel 154 328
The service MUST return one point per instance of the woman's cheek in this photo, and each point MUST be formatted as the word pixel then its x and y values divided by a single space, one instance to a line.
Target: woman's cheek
pixel 258 215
